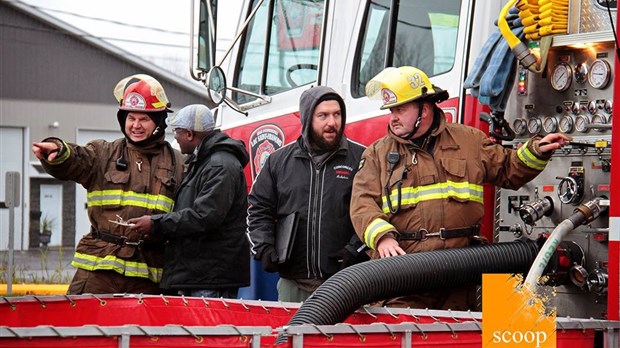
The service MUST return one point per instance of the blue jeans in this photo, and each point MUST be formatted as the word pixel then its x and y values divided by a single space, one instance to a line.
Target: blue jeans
pixel 225 293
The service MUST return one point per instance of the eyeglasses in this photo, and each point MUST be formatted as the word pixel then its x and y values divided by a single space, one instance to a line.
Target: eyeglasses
pixel 177 130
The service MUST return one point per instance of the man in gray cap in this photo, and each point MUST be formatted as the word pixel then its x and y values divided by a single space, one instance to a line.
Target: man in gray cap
pixel 207 253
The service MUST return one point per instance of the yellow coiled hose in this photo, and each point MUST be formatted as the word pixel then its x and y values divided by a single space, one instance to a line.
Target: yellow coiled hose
pixel 540 18
pixel 543 17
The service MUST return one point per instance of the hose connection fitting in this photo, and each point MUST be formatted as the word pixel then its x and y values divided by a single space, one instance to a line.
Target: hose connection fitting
pixel 589 211
pixel 524 55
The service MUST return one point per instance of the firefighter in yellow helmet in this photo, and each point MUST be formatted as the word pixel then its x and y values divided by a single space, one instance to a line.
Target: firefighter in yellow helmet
pixel 125 178
pixel 419 188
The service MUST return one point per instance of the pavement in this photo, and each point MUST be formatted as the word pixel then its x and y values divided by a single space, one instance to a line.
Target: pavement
pixel 39 266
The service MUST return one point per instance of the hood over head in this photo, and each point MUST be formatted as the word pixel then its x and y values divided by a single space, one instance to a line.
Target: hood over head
pixel 158 117
pixel 308 101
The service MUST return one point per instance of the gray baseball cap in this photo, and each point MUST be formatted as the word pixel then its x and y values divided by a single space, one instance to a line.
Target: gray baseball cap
pixel 196 117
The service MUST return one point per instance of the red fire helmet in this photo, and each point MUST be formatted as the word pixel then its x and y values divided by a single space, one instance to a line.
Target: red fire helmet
pixel 144 94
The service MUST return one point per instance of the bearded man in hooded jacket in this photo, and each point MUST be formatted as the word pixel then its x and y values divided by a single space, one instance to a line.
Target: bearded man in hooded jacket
pixel 310 182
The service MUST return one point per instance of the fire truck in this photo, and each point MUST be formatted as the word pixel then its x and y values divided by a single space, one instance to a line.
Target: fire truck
pixel 512 69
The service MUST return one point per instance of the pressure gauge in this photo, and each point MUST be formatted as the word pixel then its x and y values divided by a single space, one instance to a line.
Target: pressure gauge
pixel 534 126
pixel 519 126
pixel 550 124
pixel 581 72
pixel 581 123
pixel 566 124
pixel 561 77
pixel 599 119
pixel 600 71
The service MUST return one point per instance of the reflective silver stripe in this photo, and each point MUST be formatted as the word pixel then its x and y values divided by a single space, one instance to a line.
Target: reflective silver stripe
pixel 130 198
pixel 376 227
pixel 445 190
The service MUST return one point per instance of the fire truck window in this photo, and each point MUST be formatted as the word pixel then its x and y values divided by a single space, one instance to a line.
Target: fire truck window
pixel 290 57
pixel 426 34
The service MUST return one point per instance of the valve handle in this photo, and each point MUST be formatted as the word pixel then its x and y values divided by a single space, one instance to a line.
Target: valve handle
pixel 567 189
pixel 499 128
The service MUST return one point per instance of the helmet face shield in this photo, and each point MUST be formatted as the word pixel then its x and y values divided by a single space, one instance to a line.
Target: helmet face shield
pixel 143 94
pixel 397 86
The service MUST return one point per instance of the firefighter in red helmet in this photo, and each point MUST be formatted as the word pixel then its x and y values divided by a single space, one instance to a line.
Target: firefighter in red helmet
pixel 125 178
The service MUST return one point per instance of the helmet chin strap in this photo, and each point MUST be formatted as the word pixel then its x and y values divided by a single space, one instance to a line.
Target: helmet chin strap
pixel 154 136
pixel 416 125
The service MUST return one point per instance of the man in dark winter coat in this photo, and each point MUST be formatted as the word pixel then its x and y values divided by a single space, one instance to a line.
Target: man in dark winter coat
pixel 207 253
pixel 304 190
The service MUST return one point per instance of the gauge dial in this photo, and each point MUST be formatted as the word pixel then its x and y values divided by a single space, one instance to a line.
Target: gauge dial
pixel 534 126
pixel 566 124
pixel 581 72
pixel 582 122
pixel 519 126
pixel 561 77
pixel 599 119
pixel 600 71
pixel 550 124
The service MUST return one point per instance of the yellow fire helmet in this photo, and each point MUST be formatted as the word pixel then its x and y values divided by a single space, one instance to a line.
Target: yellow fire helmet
pixel 397 86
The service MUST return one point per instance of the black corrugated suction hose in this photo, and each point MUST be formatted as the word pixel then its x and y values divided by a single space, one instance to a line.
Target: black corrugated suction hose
pixel 376 280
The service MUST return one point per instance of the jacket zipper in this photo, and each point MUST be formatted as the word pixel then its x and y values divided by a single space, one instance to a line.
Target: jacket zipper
pixel 315 219
pixel 314 267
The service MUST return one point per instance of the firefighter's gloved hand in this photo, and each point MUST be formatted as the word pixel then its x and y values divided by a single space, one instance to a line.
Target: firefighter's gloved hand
pixel 269 259
pixel 345 257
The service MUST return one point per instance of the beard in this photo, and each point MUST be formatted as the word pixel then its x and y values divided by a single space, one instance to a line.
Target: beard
pixel 323 145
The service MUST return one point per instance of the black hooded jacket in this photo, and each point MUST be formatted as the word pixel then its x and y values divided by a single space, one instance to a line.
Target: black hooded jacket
pixel 290 182
pixel 206 245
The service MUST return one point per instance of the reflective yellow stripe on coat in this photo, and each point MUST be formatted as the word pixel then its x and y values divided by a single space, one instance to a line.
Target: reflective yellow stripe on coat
pixel 443 190
pixel 529 159
pixel 129 198
pixel 113 263
pixel 376 227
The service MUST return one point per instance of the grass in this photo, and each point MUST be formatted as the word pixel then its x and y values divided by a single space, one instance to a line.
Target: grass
pixel 46 274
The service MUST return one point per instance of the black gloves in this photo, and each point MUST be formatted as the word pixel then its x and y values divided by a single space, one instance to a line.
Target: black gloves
pixel 269 259
pixel 348 256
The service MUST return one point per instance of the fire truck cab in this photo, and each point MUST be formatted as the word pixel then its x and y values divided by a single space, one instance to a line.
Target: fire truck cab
pixel 286 46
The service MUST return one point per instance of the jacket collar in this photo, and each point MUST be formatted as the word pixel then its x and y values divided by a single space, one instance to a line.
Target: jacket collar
pixel 302 151
pixel 442 126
